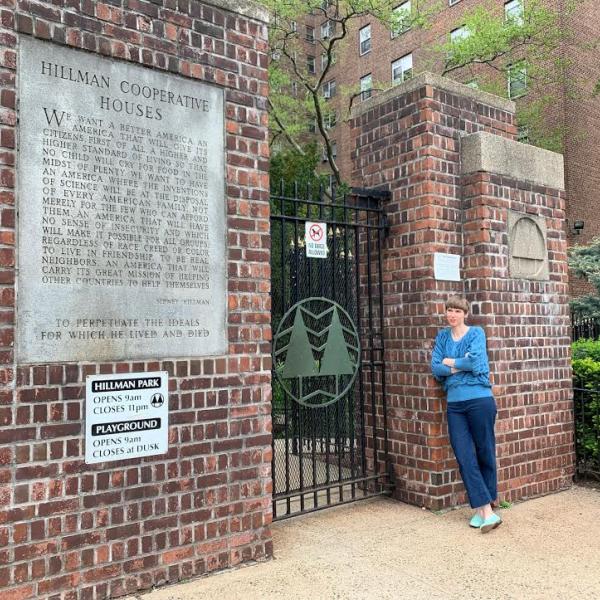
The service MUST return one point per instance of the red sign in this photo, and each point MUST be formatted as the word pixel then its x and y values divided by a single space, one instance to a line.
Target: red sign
pixel 316 232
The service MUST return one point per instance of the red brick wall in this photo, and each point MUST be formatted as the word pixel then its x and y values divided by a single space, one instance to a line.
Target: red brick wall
pixel 74 531
pixel 528 328
pixel 411 142
pixel 582 121
pixel 574 109
pixel 421 42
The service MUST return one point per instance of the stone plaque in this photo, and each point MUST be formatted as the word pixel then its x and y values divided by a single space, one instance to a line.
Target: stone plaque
pixel 528 256
pixel 121 222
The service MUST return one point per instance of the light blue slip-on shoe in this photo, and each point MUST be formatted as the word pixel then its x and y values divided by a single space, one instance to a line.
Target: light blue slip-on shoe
pixel 476 521
pixel 490 523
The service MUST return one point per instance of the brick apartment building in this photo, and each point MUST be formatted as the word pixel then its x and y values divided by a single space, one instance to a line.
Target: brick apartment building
pixel 374 57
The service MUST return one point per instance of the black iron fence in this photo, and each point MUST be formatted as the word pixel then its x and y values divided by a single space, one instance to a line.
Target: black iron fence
pixel 586 403
pixel 587 431
pixel 329 424
pixel 585 328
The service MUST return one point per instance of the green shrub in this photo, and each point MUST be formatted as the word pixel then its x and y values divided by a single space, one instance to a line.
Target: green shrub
pixel 586 349
pixel 586 372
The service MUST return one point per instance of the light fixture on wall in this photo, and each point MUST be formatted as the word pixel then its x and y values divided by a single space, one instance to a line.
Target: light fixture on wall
pixel 578 227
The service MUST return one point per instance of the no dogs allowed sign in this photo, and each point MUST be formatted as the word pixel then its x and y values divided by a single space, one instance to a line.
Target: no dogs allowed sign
pixel 126 416
pixel 315 239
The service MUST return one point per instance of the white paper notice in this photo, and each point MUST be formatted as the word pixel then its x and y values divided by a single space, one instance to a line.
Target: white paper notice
pixel 446 267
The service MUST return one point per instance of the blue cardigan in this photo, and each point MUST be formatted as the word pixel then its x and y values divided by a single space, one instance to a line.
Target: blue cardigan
pixel 473 377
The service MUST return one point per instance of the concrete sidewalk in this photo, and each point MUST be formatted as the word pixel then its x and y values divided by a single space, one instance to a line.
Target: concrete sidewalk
pixel 547 548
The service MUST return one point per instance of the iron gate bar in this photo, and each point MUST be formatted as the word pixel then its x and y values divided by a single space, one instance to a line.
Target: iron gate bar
pixel 362 383
pixel 371 344
pixel 338 223
pixel 363 202
pixel 298 420
pixel 350 404
pixel 285 396
pixel 308 431
pixel 322 488
pixel 322 293
pixel 313 416
pixel 338 435
pixel 366 496
pixel 371 193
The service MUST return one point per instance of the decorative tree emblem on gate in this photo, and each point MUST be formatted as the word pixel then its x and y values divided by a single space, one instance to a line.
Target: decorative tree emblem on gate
pixel 316 352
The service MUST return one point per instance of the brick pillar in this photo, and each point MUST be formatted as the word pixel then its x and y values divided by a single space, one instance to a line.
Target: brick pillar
pixel 458 182
pixel 72 530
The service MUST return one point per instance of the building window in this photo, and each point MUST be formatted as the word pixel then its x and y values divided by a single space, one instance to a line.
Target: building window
pixel 364 35
pixel 330 119
pixel 310 34
pixel 460 33
pixel 312 126
pixel 513 11
pixel 310 64
pixel 517 80
pixel 334 149
pixel 327 29
pixel 329 89
pixel 293 26
pixel 523 134
pixel 402 69
pixel 294 88
pixel 402 14
pixel 366 86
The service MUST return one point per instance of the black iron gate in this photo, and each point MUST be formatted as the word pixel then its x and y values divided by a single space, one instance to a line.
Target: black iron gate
pixel 329 410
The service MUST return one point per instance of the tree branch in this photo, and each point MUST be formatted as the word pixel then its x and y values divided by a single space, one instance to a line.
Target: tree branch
pixel 283 130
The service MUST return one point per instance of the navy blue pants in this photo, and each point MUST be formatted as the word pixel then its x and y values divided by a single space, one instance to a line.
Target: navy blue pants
pixel 471 429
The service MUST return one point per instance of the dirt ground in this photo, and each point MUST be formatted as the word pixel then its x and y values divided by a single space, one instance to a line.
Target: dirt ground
pixel 547 548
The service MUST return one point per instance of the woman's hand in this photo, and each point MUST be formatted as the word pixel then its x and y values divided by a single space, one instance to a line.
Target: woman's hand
pixel 451 362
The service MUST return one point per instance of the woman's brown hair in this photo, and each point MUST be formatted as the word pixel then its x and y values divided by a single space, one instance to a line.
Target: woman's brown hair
pixel 457 302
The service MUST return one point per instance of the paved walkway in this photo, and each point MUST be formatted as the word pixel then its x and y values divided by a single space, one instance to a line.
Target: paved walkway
pixel 547 548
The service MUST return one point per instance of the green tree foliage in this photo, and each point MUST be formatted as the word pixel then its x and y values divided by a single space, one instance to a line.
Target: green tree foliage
pixel 291 167
pixel 495 47
pixel 526 46
pixel 584 262
pixel 528 35
pixel 298 90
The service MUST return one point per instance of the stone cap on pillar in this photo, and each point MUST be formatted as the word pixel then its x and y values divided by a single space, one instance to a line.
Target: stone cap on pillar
pixel 247 8
pixel 438 82
pixel 483 151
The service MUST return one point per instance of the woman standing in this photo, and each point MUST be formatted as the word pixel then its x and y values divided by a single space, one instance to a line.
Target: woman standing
pixel 459 361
